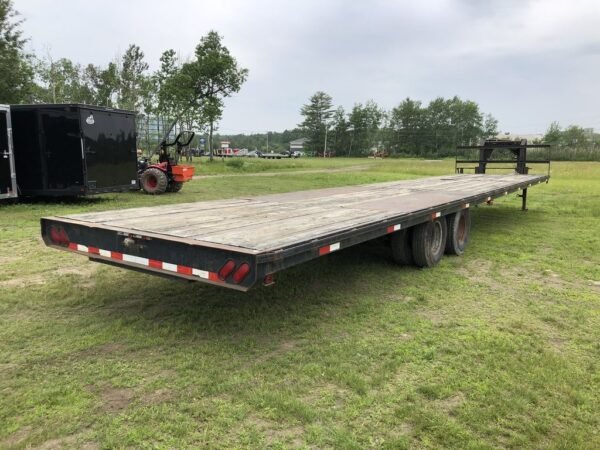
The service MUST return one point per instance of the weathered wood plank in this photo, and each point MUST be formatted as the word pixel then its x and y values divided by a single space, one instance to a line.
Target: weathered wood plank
pixel 279 220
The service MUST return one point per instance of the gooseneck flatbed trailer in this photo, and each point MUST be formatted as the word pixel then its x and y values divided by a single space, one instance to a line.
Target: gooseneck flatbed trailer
pixel 239 243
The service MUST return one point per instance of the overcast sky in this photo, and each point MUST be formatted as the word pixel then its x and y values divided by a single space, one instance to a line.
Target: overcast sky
pixel 526 62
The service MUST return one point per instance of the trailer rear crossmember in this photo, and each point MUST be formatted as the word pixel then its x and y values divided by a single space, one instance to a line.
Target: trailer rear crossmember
pixel 240 242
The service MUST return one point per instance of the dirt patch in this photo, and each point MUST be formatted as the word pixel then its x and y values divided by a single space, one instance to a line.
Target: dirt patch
pixel 158 396
pixel 450 404
pixel 16 438
pixel 103 349
pixel 67 442
pixel 35 280
pixel 9 259
pixel 70 441
pixel 115 400
pixel 85 272
pixel 324 391
pixel 273 433
pixel 284 347
pixel 557 344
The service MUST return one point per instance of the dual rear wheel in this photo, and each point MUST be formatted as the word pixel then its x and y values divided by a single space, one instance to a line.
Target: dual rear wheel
pixel 424 245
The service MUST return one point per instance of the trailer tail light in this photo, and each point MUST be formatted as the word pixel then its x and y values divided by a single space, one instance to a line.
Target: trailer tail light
pixel 226 270
pixel 59 236
pixel 241 273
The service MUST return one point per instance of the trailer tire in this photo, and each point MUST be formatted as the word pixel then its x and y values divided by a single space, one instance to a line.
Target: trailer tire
pixel 459 228
pixel 175 186
pixel 401 247
pixel 429 242
pixel 154 181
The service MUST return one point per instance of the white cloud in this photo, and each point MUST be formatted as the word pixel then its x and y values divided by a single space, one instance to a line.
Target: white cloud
pixel 543 54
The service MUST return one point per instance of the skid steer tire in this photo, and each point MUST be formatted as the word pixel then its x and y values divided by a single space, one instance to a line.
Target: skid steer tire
pixel 154 181
pixel 175 186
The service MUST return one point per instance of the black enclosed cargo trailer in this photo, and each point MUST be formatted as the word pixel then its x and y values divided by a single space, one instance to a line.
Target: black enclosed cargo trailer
pixel 8 179
pixel 73 150
pixel 240 242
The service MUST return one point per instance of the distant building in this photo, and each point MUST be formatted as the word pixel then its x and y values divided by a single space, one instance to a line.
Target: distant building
pixel 297 145
pixel 225 144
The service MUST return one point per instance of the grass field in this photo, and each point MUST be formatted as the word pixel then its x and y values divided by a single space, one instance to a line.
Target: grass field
pixel 499 348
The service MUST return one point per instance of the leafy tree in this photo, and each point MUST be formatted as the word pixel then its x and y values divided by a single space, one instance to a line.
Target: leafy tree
pixel 316 115
pixel 466 121
pixel 341 139
pixel 16 72
pixel 134 84
pixel 209 78
pixel 63 82
pixel 553 134
pixel 407 125
pixel 103 83
pixel 365 121
pixel 574 137
pixel 490 126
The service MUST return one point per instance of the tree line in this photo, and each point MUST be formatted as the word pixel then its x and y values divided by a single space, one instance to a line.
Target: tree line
pixel 410 128
pixel 572 142
pixel 189 92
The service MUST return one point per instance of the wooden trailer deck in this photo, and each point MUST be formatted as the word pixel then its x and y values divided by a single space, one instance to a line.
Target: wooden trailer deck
pixel 268 223
pixel 238 242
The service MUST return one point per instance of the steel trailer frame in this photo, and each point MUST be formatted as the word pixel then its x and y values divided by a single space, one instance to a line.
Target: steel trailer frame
pixel 203 260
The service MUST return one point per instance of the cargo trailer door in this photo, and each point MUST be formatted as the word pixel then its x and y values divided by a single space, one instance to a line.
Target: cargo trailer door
pixel 109 145
pixel 8 181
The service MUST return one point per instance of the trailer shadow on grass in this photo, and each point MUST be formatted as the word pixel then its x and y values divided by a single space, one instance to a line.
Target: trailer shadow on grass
pixel 313 292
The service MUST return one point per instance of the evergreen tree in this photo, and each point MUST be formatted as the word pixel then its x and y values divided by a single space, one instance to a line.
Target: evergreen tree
pixel 316 116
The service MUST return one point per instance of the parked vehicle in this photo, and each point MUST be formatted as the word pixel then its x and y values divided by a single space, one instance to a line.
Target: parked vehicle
pixel 254 154
pixel 272 155
pixel 167 175
pixel 66 150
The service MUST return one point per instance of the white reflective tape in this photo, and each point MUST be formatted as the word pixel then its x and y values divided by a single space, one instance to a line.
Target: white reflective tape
pixel 200 273
pixel 397 227
pixel 467 205
pixel 135 259
pixel 489 198
pixel 170 267
pixel 105 253
pixel 82 248
pixel 334 247
pixel 437 214
pixel 133 181
pixel 506 193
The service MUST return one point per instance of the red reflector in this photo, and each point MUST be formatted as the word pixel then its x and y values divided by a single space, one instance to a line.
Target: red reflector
pixel 268 280
pixel 226 270
pixel 58 235
pixel 241 273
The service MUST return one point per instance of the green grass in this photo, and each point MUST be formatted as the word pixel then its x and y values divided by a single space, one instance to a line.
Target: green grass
pixel 499 348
